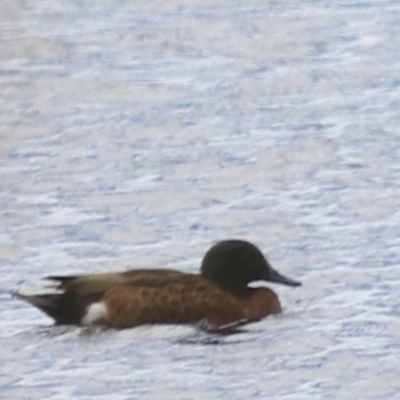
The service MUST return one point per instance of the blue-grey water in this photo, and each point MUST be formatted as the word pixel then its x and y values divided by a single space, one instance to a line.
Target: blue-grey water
pixel 138 133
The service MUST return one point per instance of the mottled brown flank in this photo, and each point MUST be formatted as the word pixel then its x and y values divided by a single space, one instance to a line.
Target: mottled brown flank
pixel 190 299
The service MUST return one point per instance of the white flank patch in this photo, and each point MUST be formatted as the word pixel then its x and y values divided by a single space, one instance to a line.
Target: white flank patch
pixel 257 284
pixel 41 287
pixel 96 312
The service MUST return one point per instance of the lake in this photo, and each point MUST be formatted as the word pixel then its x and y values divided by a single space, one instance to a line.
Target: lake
pixel 137 135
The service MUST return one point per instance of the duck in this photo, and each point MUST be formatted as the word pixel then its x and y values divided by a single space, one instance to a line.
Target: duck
pixel 230 289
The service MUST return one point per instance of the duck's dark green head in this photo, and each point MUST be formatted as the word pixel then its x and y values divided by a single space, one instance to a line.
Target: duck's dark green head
pixel 234 264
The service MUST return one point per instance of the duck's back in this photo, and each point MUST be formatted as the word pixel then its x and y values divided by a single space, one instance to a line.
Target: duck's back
pixel 67 298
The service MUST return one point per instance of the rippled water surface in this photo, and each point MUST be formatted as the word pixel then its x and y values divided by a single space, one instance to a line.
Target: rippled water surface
pixel 138 134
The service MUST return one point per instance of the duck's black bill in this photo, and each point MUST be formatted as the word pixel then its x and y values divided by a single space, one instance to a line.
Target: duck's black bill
pixel 275 276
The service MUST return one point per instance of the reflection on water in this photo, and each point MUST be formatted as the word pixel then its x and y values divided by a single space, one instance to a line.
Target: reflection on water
pixel 137 135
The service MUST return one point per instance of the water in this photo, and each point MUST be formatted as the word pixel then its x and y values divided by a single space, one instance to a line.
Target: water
pixel 137 135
